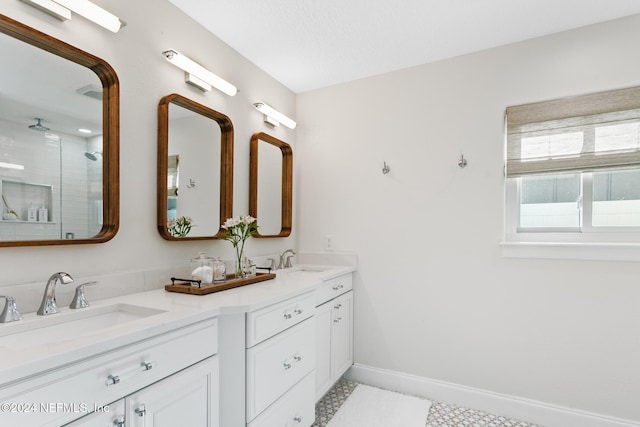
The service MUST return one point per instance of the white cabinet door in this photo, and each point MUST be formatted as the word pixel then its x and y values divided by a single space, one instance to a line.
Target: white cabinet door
pixel 323 348
pixel 187 398
pixel 111 415
pixel 334 341
pixel 341 335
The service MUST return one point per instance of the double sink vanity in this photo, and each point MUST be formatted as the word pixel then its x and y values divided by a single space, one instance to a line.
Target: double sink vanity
pixel 259 355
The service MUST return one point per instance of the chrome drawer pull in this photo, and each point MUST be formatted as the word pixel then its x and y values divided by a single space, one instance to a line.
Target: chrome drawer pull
pixel 335 287
pixel 337 320
pixel 287 316
pixel 119 421
pixel 147 366
pixel 297 419
pixel 287 365
pixel 337 306
pixel 113 379
pixel 298 311
pixel 141 411
pixel 297 358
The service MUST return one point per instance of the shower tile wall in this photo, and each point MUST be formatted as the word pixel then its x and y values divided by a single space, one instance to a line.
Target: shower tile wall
pixel 42 157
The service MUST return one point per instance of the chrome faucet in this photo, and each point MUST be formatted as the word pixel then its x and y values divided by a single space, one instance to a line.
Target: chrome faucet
pixel 286 262
pixel 10 312
pixel 48 305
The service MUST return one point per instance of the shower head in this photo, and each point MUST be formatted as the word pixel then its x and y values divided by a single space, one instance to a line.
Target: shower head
pixel 93 156
pixel 38 126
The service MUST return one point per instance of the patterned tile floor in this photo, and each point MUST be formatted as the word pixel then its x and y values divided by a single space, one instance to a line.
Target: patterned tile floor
pixel 440 415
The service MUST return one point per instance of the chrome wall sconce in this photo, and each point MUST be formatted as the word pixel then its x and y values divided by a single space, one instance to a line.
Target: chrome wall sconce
pixel 61 9
pixel 273 116
pixel 197 75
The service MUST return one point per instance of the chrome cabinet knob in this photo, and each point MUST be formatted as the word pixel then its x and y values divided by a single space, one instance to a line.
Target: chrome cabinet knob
pixel 141 411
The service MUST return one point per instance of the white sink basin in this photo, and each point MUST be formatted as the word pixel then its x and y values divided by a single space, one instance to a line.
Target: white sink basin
pixel 307 269
pixel 69 324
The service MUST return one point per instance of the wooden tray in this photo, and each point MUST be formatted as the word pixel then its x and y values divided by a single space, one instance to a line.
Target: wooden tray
pixel 231 282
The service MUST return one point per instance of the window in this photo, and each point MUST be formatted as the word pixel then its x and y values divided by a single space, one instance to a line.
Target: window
pixel 573 169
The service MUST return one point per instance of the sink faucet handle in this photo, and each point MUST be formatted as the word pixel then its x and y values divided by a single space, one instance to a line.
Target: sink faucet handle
pixel 79 299
pixel 10 312
pixel 287 263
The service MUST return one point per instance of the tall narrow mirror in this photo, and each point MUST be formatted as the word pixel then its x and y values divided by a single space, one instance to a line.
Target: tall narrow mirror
pixel 59 138
pixel 271 185
pixel 195 169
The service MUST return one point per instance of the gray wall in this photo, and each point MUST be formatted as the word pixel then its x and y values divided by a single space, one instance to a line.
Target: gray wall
pixel 435 297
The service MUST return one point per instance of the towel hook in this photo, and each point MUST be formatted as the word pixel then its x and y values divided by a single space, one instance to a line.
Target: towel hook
pixel 462 162
pixel 386 168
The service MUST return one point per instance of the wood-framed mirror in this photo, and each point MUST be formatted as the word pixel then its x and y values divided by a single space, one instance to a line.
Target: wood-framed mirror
pixel 50 90
pixel 195 169
pixel 271 185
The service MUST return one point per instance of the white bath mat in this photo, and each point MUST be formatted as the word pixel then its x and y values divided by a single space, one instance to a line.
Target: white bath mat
pixel 373 407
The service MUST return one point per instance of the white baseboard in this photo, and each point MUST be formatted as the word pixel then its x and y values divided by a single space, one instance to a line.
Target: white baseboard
pixel 541 413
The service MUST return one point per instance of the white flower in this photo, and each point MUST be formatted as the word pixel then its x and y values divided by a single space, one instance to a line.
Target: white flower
pixel 247 219
pixel 230 223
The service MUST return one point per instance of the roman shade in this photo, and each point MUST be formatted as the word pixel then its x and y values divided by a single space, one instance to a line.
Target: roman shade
pixel 577 134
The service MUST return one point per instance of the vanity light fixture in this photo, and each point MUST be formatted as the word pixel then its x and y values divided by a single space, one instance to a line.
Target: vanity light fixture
pixel 273 116
pixel 197 75
pixel 62 9
pixel 51 7
pixel 11 166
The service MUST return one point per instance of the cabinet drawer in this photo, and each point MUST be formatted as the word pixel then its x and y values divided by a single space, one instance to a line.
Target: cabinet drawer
pixel 275 365
pixel 334 287
pixel 268 321
pixel 76 389
pixel 295 409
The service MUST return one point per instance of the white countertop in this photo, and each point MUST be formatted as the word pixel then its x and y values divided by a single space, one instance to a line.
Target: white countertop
pixel 179 309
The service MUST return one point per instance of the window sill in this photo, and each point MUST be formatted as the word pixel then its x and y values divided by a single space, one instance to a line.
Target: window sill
pixel 575 251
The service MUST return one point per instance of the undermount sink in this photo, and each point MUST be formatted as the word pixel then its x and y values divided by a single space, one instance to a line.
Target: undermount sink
pixel 307 269
pixel 54 328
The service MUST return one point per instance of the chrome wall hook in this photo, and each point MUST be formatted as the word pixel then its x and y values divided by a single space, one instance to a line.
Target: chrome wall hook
pixel 462 162
pixel 386 168
pixel 192 183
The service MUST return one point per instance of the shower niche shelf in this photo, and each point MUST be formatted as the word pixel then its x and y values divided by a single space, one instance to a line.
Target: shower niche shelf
pixel 20 196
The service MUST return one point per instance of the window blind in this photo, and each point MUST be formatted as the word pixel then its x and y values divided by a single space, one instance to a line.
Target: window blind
pixel 576 134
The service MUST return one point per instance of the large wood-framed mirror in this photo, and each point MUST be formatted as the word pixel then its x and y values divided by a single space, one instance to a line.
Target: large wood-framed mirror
pixel 59 185
pixel 195 169
pixel 271 185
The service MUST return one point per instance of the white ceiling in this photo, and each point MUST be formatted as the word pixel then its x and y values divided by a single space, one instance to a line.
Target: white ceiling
pixel 309 44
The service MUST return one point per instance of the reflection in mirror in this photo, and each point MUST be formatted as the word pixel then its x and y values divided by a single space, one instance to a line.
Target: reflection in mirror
pixel 58 141
pixel 270 185
pixel 195 169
